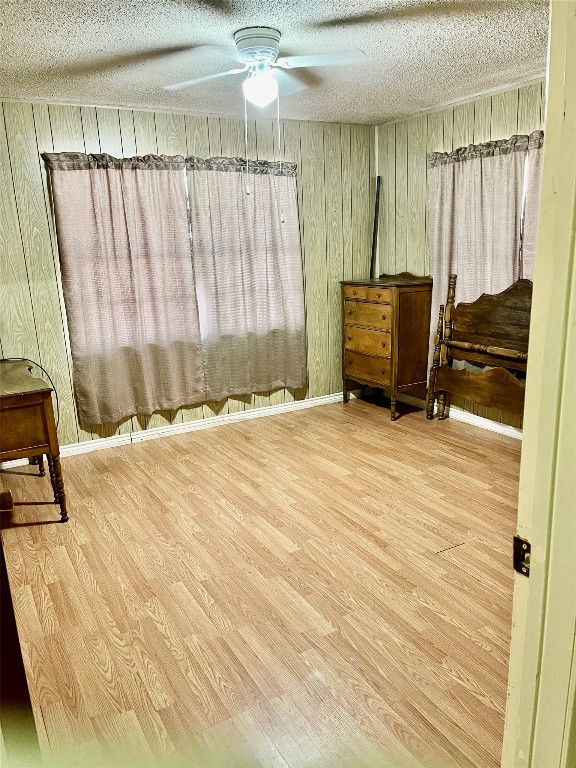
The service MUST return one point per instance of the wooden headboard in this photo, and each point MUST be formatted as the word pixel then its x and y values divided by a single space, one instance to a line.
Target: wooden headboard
pixel 491 331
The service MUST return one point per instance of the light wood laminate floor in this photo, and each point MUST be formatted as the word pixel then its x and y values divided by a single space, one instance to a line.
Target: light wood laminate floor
pixel 319 588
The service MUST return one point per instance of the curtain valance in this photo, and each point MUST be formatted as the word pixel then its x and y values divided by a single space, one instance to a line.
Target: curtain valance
pixel 490 149
pixel 80 161
pixel 240 165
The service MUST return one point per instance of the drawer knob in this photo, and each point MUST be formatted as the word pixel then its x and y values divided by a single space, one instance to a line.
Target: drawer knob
pixel 349 312
pixel 383 317
pixel 350 339
pixel 382 372
pixel 353 293
pixel 378 295
pixel 383 343
pixel 349 362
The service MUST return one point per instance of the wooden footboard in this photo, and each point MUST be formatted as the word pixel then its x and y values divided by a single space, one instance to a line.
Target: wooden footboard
pixel 495 387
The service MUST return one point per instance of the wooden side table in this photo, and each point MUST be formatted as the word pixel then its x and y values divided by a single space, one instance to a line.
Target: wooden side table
pixel 27 427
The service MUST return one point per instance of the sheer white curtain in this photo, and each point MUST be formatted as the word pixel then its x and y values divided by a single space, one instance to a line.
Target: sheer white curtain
pixel 246 250
pixel 477 197
pixel 534 159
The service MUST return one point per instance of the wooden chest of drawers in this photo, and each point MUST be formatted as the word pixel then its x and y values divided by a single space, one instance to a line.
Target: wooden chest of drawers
pixel 385 330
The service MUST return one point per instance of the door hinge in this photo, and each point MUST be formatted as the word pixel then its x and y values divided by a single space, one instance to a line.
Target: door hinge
pixel 522 556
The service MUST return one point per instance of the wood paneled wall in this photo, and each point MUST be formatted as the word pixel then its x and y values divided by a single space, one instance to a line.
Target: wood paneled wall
pixel 402 150
pixel 335 181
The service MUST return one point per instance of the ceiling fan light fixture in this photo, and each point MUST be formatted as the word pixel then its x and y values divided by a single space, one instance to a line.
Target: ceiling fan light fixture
pixel 260 88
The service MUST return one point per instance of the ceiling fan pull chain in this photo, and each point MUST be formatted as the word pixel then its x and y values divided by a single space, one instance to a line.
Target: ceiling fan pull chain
pixel 246 143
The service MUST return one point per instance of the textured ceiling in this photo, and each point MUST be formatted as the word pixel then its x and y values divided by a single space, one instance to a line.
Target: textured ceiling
pixel 421 53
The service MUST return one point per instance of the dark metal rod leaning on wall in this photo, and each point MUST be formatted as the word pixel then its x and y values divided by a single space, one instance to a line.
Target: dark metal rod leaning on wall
pixel 375 227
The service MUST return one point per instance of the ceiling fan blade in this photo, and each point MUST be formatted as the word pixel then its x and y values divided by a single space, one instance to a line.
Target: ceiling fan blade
pixel 124 60
pixel 413 10
pixel 287 82
pixel 218 5
pixel 205 79
pixel 321 59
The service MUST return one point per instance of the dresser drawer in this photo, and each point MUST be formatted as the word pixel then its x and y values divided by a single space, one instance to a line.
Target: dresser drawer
pixel 354 291
pixel 367 341
pixel 375 369
pixel 371 315
pixel 379 294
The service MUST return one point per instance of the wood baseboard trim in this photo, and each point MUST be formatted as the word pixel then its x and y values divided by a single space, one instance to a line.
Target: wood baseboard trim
pixel 175 429
pixel 479 421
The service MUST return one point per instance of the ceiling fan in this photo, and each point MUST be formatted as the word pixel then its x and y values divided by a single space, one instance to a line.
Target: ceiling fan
pixel 257 50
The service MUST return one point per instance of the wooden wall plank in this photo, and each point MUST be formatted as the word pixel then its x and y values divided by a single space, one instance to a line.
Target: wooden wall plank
pixel 37 245
pixel 145 133
pixel 66 125
pixel 265 140
pixel 109 131
pixel 447 116
pixel 504 121
pixel 529 108
pixel 17 317
pixel 434 143
pixel 387 222
pixel 170 134
pixel 232 137
pixel 401 260
pixel 463 125
pixel 214 136
pixel 126 120
pixel 334 250
pixel 197 136
pixel 44 141
pixel 347 241
pixel 90 129
pixel 362 164
pixel 312 175
pixel 417 257
pixel 435 133
pixel 482 120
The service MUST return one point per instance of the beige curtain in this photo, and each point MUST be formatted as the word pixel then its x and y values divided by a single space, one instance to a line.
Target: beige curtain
pixel 246 249
pixel 128 283
pixel 475 204
pixel 534 160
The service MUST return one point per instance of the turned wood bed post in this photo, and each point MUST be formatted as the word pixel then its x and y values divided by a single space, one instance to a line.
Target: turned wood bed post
pixel 435 365
pixel 448 328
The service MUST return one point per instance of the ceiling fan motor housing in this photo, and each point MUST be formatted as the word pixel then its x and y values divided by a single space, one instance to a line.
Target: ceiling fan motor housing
pixel 257 44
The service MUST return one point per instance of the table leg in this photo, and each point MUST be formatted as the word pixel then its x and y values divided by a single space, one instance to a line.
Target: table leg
pixel 60 488
pixel 344 391
pixel 52 477
pixel 6 503
pixel 39 461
